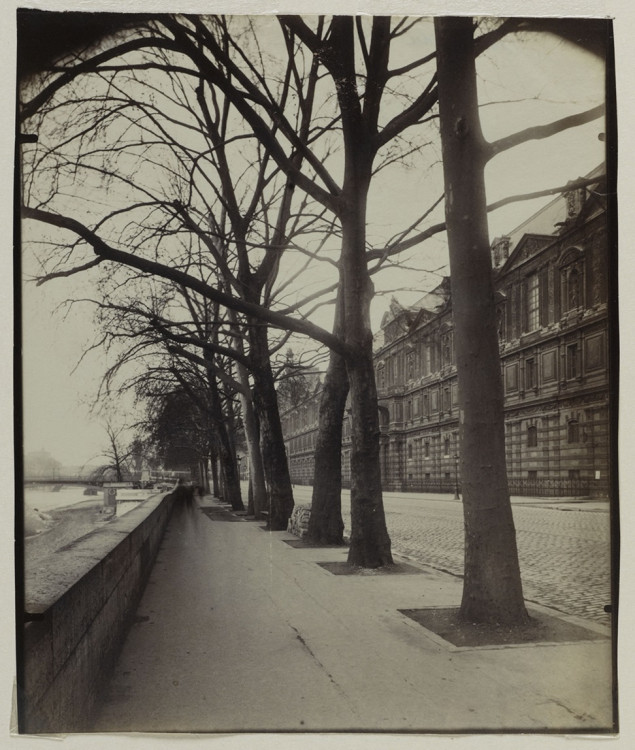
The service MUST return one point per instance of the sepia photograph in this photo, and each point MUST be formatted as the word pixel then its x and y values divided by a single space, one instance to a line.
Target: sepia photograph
pixel 317 374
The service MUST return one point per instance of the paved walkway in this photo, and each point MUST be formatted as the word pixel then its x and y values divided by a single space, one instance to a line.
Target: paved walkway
pixel 239 631
pixel 564 544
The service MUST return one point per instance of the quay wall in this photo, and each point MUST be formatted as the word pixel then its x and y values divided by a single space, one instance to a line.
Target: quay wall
pixel 77 619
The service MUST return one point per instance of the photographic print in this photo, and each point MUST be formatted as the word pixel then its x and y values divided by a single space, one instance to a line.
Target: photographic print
pixel 318 322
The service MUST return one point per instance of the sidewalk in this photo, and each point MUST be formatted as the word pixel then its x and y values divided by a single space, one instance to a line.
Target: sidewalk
pixel 239 631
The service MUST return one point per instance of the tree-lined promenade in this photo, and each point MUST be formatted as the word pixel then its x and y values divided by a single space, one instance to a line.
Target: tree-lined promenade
pixel 203 172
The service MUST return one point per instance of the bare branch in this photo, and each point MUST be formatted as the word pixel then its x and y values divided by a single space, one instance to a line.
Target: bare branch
pixel 542 131
pixel 70 272
pixel 107 252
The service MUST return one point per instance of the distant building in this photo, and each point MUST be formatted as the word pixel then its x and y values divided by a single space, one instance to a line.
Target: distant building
pixel 552 307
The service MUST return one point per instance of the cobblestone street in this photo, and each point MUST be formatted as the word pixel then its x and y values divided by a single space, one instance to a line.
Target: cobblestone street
pixel 564 554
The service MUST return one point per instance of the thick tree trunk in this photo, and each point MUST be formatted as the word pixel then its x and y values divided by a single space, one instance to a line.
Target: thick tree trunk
pixel 274 453
pixel 231 483
pixel 325 523
pixel 369 543
pixel 492 589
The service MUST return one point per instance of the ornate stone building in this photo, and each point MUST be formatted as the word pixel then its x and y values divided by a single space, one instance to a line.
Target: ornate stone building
pixel 552 306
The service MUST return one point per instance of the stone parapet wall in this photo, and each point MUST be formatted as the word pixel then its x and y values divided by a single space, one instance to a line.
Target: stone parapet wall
pixel 79 615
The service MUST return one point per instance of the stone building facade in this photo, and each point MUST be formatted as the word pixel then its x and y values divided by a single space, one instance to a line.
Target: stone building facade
pixel 553 323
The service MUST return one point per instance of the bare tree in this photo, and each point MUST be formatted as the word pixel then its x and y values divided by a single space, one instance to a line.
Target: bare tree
pixel 492 588
pixel 356 56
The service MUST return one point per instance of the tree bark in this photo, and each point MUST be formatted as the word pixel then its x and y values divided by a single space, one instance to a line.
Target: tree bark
pixel 274 454
pixel 213 459
pixel 492 591
pixel 325 523
pixel 257 489
pixel 369 543
pixel 229 472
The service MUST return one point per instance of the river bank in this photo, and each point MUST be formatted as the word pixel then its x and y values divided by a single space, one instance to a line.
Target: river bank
pixel 53 520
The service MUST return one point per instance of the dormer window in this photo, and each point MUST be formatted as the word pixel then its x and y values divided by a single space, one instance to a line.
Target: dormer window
pixel 572 280
pixel 500 251
pixel 574 200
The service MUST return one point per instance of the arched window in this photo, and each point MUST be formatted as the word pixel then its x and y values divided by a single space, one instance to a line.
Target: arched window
pixel 532 436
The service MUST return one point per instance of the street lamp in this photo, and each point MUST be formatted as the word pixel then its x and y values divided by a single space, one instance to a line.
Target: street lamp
pixel 456 476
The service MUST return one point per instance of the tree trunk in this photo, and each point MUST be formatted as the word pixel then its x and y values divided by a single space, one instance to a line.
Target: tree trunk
pixel 231 483
pixel 325 523
pixel 213 459
pixel 369 543
pixel 257 490
pixel 274 454
pixel 492 590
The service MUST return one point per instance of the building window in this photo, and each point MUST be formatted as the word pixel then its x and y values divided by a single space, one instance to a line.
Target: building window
pixel 532 304
pixel 381 376
pixel 409 450
pixel 572 280
pixel 532 436
pixel 573 431
pixel 427 365
pixel 447 400
pixel 573 289
pixel 574 474
pixel 426 405
pixel 409 410
pixel 455 394
pixel 411 365
pixel 511 378
pixel 446 348
pixel 446 447
pixel 532 475
pixel 426 450
pixel 572 361
pixel 530 373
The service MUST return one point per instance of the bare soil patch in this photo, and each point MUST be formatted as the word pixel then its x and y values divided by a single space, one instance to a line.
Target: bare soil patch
pixel 344 569
pixel 542 628
pixel 304 544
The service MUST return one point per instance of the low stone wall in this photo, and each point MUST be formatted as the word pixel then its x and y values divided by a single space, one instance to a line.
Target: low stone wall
pixel 83 607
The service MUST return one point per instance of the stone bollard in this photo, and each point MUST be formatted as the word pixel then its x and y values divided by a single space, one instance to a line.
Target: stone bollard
pixel 110 500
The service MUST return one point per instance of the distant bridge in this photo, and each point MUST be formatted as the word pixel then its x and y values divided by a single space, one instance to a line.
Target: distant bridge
pixel 58 479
